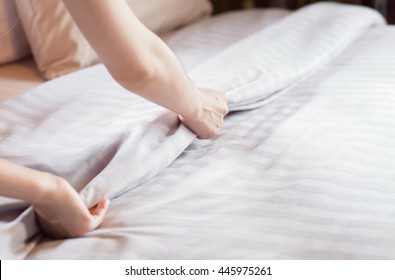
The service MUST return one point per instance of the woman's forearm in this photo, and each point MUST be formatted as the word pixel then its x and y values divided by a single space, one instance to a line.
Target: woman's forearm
pixel 53 198
pixel 135 57
pixel 24 183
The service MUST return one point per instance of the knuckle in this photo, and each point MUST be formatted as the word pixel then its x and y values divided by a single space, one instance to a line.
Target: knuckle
pixel 209 134
pixel 214 132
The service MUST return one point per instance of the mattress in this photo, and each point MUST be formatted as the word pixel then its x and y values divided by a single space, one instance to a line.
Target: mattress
pixel 307 174
pixel 18 78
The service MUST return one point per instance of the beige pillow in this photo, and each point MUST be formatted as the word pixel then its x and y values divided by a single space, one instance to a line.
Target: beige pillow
pixel 13 43
pixel 165 15
pixel 59 47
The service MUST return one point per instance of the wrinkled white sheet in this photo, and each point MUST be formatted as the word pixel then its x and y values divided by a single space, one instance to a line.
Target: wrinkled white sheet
pixel 193 45
pixel 306 176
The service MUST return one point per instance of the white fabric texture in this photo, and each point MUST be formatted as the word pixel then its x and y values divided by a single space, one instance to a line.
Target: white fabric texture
pixel 282 54
pixel 309 175
pixel 17 225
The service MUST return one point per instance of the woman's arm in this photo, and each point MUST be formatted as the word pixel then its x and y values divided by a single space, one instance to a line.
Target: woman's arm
pixel 60 210
pixel 16 179
pixel 141 62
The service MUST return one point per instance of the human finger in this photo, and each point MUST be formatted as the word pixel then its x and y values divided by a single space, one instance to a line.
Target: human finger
pixel 222 105
pixel 99 212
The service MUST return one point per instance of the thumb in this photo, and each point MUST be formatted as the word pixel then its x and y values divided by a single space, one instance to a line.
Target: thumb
pixel 99 212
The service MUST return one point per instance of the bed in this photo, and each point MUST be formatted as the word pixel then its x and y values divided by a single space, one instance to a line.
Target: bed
pixel 303 167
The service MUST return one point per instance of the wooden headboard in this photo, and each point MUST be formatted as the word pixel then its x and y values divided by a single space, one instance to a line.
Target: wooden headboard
pixel 386 7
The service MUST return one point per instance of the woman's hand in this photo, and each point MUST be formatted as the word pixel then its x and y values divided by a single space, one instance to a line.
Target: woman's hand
pixel 62 214
pixel 60 210
pixel 209 116
pixel 143 64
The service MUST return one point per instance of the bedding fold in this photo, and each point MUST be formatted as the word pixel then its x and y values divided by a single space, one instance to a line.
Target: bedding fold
pixel 275 58
pixel 106 141
pixel 255 69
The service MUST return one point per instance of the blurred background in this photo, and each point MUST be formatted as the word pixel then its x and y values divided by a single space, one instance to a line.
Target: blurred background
pixel 386 7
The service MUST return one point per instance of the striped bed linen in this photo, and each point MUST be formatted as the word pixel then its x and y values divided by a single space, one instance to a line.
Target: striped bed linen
pixel 309 175
pixel 17 227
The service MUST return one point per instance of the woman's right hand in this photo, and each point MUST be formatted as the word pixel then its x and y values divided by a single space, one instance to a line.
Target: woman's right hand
pixel 212 107
pixel 145 65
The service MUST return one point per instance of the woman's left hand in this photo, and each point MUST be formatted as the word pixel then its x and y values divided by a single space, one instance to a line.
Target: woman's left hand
pixel 62 214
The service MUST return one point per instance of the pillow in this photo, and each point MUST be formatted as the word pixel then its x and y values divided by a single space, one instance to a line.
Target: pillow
pixel 59 47
pixel 13 43
pixel 165 15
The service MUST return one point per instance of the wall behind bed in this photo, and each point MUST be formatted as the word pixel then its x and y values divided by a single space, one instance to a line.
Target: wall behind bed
pixel 386 7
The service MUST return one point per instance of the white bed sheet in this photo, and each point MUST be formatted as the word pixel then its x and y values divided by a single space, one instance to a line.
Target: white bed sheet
pixel 309 175
pixel 42 111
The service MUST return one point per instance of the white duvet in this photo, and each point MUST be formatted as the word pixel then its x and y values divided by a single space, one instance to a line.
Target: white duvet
pixel 308 175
